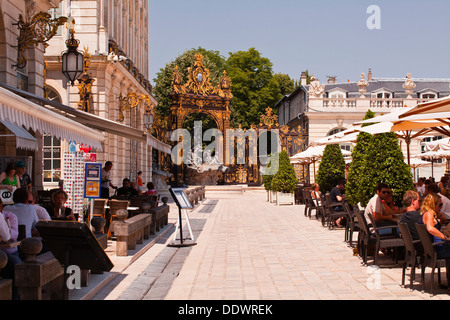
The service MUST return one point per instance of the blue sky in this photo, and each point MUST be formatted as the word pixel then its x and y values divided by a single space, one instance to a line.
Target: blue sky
pixel 327 37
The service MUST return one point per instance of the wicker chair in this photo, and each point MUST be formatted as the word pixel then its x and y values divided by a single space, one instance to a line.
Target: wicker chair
pixel 365 238
pixel 116 207
pixel 430 257
pixel 100 207
pixel 310 204
pixel 385 241
pixel 412 256
pixel 352 224
pixel 331 214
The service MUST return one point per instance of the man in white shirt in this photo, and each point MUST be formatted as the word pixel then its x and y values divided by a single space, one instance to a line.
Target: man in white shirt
pixel 26 213
pixel 381 213
pixel 5 234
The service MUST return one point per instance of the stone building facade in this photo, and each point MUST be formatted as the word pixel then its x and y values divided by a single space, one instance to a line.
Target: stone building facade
pixel 323 109
pixel 114 34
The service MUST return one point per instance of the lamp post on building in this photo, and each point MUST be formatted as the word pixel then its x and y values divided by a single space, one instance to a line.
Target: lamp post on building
pixel 72 59
pixel 148 118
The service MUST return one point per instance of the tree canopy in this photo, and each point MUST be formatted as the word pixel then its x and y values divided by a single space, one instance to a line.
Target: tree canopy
pixel 254 84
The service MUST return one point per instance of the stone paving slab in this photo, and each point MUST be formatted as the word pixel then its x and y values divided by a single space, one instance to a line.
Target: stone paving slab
pixel 249 249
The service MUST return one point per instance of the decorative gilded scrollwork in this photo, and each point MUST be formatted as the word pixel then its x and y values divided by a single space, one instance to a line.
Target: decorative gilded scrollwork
pixel 85 82
pixel 269 119
pixel 130 101
pixel 40 29
pixel 199 79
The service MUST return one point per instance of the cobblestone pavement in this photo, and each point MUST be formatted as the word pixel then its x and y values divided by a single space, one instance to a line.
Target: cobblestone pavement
pixel 250 249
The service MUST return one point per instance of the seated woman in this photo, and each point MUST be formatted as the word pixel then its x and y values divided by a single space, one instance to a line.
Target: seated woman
pixel 9 177
pixel 315 193
pixel 151 189
pixel 57 210
pixel 431 206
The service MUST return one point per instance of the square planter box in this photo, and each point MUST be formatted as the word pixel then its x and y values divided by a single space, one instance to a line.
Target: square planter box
pixel 285 198
pixel 273 196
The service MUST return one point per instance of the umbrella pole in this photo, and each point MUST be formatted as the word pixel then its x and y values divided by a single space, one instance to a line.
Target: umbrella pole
pixel 314 165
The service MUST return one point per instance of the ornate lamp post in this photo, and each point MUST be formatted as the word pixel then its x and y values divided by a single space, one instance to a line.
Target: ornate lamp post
pixel 148 118
pixel 72 59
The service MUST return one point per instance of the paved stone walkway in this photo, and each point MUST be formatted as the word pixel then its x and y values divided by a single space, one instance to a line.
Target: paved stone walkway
pixel 249 249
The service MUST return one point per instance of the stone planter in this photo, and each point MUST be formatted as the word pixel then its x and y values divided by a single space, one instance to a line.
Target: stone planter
pixel 285 198
pixel 273 196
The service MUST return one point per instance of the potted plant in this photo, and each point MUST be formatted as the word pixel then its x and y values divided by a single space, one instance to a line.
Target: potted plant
pixel 269 172
pixel 284 182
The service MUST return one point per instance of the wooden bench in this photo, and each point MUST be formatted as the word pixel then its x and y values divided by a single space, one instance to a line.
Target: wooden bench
pixel 131 232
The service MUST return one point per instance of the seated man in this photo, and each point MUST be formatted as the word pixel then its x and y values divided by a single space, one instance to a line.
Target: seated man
pixel 411 200
pixel 26 213
pixel 381 213
pixel 126 189
pixel 336 195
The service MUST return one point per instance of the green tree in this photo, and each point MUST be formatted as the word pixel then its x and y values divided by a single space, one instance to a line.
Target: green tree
pixel 163 82
pixel 284 179
pixel 286 85
pixel 355 171
pixel 253 85
pixel 385 162
pixel 331 168
pixel 376 159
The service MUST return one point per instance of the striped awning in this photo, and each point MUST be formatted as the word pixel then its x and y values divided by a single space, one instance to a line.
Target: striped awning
pixel 22 112
pixel 24 139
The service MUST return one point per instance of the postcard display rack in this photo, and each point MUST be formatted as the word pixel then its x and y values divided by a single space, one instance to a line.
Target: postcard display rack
pixel 74 181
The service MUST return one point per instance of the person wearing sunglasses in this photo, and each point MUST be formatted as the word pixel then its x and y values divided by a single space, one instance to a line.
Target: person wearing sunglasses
pixel 381 212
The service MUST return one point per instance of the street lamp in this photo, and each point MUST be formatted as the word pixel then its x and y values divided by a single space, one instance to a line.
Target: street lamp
pixel 72 59
pixel 148 119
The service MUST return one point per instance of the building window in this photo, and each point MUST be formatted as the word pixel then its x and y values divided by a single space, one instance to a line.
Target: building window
pixel 344 146
pixel 334 131
pixel 428 96
pixel 55 13
pixel 51 94
pixel 52 159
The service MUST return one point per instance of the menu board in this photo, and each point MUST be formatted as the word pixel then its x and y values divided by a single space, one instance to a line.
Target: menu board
pixel 181 198
pixel 92 180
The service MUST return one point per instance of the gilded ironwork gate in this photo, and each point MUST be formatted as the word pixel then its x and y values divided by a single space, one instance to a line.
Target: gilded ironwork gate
pixel 241 147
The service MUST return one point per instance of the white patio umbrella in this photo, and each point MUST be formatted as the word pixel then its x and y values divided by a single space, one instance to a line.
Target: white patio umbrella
pixel 433 156
pixel 433 106
pixel 407 128
pixel 442 144
pixel 309 156
pixel 418 163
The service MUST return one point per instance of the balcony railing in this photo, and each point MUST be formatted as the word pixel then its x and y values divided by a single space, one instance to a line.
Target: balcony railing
pixel 339 102
pixel 372 103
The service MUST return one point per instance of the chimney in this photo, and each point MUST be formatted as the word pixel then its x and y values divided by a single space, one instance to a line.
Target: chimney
pixel 303 80
pixel 369 75
pixel 331 80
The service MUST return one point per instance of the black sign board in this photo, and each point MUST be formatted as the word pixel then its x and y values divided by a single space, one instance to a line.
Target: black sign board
pixel 73 243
